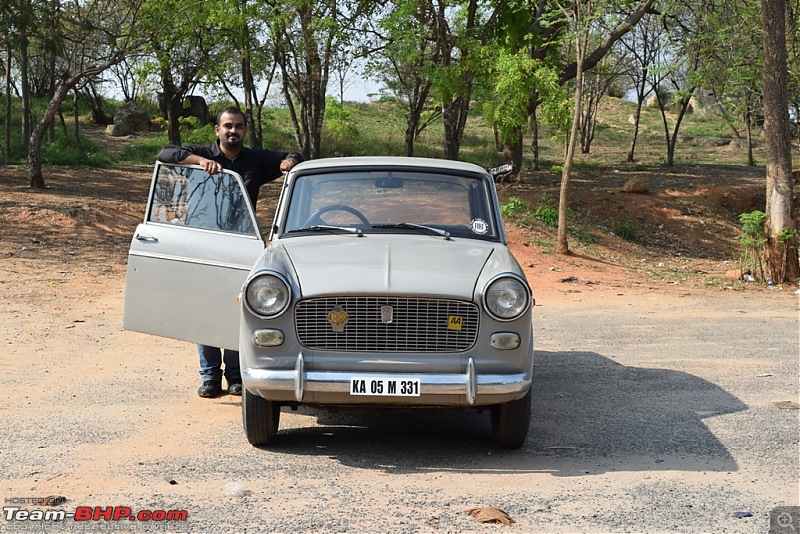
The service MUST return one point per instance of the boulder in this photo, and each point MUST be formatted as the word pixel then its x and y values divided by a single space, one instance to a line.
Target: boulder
pixel 118 130
pixel 635 185
pixel 196 106
pixel 129 118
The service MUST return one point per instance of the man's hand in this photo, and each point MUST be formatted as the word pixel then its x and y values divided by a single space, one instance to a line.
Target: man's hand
pixel 209 165
pixel 287 164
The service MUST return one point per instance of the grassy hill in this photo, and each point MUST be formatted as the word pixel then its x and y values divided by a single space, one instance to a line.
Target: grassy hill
pixel 378 129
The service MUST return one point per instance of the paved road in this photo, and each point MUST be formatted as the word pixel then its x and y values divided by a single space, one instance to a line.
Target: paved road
pixel 652 413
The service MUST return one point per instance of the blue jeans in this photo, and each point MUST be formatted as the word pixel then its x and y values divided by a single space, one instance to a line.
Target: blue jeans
pixel 211 360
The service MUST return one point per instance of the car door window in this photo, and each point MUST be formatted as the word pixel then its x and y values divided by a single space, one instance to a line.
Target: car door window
pixel 189 196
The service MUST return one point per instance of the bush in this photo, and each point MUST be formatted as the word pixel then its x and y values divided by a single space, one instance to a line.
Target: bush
pixel 624 231
pixel 753 240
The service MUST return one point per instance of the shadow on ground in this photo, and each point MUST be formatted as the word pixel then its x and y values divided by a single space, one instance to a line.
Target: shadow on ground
pixel 590 414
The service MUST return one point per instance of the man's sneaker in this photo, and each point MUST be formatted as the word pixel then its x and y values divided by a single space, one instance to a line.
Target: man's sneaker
pixel 210 389
pixel 234 389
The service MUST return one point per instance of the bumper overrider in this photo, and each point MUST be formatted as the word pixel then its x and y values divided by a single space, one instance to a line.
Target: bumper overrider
pixel 467 389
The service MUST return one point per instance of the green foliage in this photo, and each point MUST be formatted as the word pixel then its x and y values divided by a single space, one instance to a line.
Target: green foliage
pixel 339 123
pixel 520 212
pixel 753 239
pixel 194 134
pixel 624 230
pixel 515 77
pixel 787 237
pixel 63 151
pixel 547 211
pixel 583 235
pixel 143 150
pixel 515 207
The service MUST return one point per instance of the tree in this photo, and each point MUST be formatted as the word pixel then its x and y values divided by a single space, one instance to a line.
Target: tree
pixel 599 82
pixel 643 44
pixel 94 36
pixel 793 60
pixel 781 250
pixel 406 63
pixel 546 25
pixel 582 15
pixel 245 58
pixel 455 41
pixel 733 65
pixel 676 73
pixel 308 37
pixel 179 34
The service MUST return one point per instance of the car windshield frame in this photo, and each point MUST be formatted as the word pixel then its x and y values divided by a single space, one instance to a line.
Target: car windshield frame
pixel 434 202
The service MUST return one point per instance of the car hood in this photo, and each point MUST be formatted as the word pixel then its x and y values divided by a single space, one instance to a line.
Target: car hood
pixel 419 265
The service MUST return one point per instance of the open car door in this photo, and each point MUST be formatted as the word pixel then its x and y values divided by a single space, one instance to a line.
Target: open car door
pixel 189 258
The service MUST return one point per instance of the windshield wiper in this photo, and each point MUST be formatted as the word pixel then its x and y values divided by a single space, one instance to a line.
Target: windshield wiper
pixel 437 231
pixel 327 228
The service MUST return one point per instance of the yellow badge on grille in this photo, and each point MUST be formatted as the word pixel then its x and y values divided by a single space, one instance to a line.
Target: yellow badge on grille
pixel 338 318
pixel 454 322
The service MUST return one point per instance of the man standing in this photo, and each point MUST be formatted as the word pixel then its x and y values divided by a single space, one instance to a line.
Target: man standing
pixel 256 166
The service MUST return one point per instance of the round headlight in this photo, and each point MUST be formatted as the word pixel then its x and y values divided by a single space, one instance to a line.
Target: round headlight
pixel 267 295
pixel 506 298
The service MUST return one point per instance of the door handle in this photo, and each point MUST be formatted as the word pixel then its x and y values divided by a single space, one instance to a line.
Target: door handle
pixel 147 238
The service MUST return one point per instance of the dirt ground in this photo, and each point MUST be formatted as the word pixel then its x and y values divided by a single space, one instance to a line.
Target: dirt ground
pixel 62 269
pixel 685 226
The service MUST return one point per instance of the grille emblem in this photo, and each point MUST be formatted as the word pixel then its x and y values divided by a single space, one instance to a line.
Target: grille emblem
pixel 338 318
pixel 387 314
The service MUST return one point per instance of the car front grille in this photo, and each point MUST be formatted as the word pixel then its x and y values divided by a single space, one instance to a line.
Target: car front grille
pixel 417 325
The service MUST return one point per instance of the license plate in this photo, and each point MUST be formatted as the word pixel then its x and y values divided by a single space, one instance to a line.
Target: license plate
pixel 385 387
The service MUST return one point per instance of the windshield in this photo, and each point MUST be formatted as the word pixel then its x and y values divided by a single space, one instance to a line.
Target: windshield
pixel 392 201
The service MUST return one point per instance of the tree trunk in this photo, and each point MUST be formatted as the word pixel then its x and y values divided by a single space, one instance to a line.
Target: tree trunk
pixel 640 96
pixel 636 119
pixel 562 245
pixel 534 122
pixel 751 160
pixel 51 89
pixel 26 88
pixel 780 250
pixel 416 104
pixel 35 148
pixel 95 101
pixel 75 116
pixel 317 118
pixel 7 144
pixel 512 151
pixel 454 116
pixel 411 131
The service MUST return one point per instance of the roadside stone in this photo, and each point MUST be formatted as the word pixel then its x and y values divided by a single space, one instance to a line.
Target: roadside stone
pixel 635 185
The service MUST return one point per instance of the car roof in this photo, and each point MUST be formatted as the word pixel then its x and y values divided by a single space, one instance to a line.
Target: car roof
pixel 391 161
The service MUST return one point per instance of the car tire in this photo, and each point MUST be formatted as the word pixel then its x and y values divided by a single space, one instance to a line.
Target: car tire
pixel 260 418
pixel 511 421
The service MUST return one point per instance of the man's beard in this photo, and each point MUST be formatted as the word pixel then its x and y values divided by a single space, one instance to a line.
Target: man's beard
pixel 231 142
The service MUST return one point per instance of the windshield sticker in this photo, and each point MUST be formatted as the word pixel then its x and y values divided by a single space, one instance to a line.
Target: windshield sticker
pixel 479 226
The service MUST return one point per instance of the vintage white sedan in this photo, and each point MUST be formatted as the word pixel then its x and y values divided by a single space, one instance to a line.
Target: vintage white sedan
pixel 385 283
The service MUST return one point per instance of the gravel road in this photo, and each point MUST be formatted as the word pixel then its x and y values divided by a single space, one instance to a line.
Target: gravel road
pixel 652 412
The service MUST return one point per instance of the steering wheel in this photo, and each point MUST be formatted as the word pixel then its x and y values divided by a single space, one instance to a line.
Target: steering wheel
pixel 316 217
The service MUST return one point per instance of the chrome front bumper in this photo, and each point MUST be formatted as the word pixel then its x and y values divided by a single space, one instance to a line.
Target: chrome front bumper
pixel 301 381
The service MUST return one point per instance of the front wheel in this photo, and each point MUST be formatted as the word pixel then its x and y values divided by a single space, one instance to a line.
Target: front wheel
pixel 511 421
pixel 260 418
